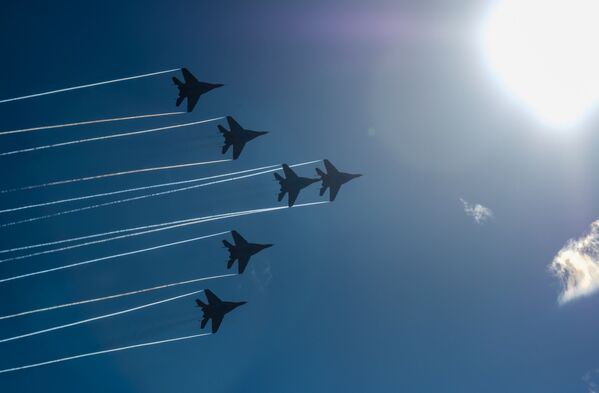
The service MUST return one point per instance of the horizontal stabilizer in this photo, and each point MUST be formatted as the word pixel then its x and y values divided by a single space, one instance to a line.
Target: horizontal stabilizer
pixel 177 82
pixel 200 303
pixel 230 262
pixel 320 173
pixel 279 177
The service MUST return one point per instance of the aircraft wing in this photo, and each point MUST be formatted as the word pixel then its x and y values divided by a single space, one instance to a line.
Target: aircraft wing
pixel 330 167
pixel 233 125
pixel 242 263
pixel 239 240
pixel 237 149
pixel 333 193
pixel 189 78
pixel 289 174
pixel 212 298
pixel 216 321
pixel 293 196
pixel 192 100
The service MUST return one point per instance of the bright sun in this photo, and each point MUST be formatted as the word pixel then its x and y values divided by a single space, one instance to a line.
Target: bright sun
pixel 546 54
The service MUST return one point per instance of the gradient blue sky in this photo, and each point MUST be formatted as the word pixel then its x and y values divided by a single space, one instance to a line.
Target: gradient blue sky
pixel 391 288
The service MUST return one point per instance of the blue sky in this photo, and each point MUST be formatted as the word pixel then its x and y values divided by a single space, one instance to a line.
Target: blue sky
pixel 390 288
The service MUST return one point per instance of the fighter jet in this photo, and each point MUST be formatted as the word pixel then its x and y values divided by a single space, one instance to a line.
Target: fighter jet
pixel 333 179
pixel 237 136
pixel 292 184
pixel 192 89
pixel 215 309
pixel 242 251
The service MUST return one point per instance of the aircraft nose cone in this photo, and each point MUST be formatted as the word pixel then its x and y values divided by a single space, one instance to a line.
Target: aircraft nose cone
pixel 215 85
pixel 358 175
pixel 267 246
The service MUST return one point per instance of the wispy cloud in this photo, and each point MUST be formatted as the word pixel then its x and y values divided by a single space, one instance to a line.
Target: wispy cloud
pixel 590 379
pixel 577 266
pixel 477 211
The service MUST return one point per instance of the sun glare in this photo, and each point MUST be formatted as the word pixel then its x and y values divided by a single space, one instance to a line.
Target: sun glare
pixel 544 53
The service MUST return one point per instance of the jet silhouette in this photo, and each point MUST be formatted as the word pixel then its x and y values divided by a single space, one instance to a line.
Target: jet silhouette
pixel 215 309
pixel 237 136
pixel 242 251
pixel 333 179
pixel 192 89
pixel 292 184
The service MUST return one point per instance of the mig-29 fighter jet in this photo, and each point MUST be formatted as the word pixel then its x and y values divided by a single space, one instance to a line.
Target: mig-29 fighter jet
pixel 192 89
pixel 237 136
pixel 333 179
pixel 215 309
pixel 242 251
pixel 292 184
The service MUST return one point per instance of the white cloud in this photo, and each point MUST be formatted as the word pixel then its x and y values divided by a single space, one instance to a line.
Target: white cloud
pixel 477 211
pixel 577 266
pixel 590 379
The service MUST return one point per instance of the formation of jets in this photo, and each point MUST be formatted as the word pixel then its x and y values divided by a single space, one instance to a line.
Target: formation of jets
pixel 291 185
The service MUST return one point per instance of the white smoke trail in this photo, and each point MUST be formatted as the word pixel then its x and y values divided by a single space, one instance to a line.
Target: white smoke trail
pixel 102 352
pixel 111 257
pixel 110 233
pixel 100 299
pixel 88 85
pixel 128 190
pixel 146 196
pixel 164 228
pixel 80 179
pixel 128 199
pixel 114 314
pixel 142 230
pixel 83 123
pixel 99 138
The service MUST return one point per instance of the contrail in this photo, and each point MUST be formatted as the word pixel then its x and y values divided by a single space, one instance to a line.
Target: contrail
pixel 99 138
pixel 108 233
pixel 89 243
pixel 103 194
pixel 100 299
pixel 114 314
pixel 8 370
pixel 145 227
pixel 88 85
pixel 80 179
pixel 83 123
pixel 161 227
pixel 132 198
pixel 147 196
pixel 111 257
